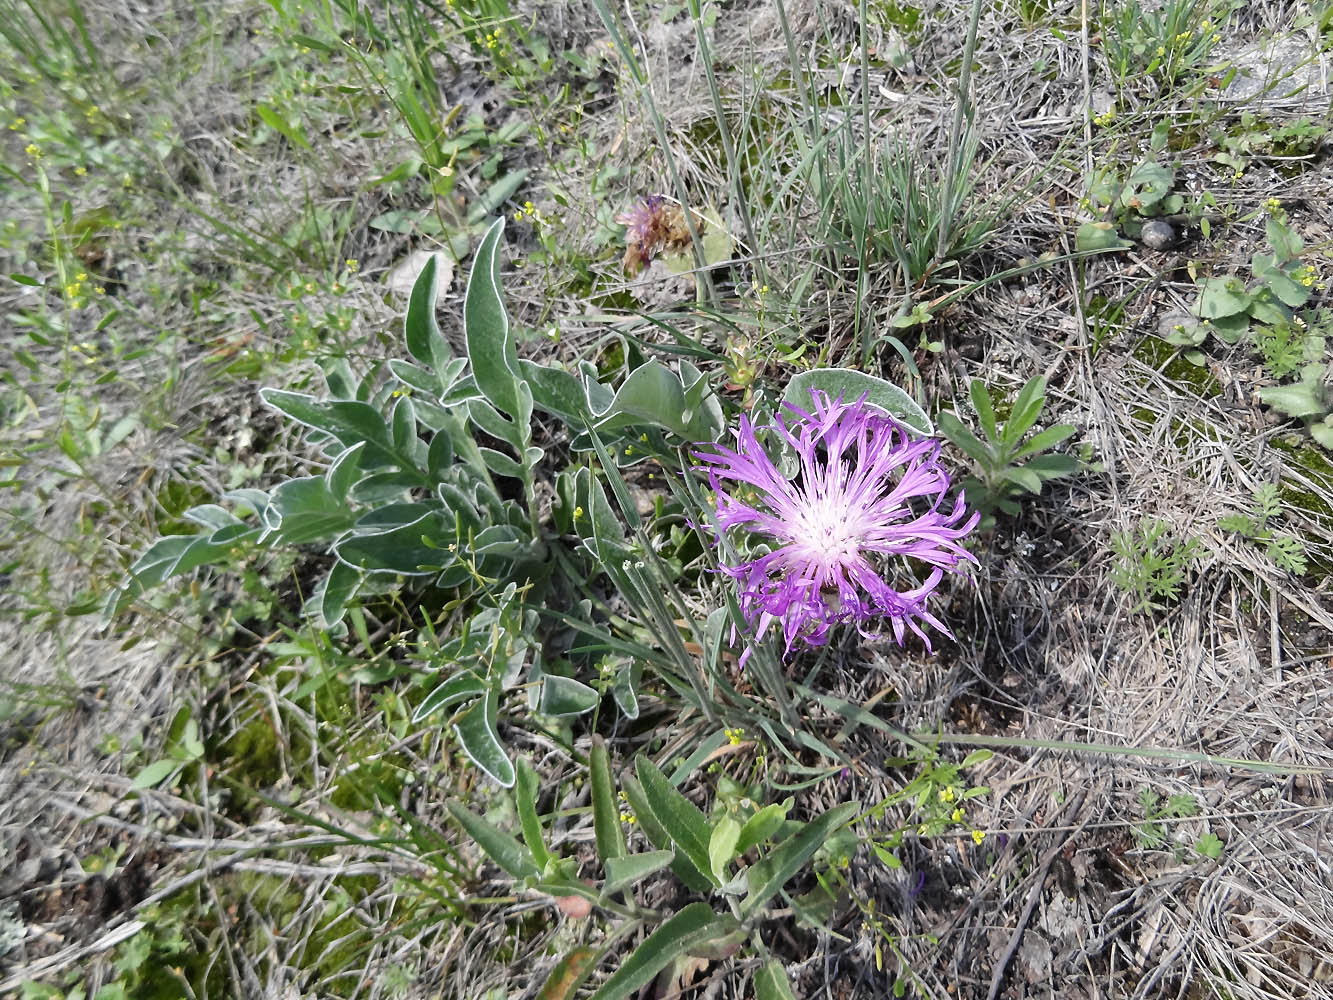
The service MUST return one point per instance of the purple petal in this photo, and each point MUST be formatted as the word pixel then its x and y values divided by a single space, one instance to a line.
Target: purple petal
pixel 866 496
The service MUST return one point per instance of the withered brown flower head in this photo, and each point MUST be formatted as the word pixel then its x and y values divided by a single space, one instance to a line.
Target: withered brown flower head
pixel 651 226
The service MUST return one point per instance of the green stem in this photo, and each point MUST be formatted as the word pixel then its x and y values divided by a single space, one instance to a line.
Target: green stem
pixel 861 329
pixel 728 145
pixel 961 106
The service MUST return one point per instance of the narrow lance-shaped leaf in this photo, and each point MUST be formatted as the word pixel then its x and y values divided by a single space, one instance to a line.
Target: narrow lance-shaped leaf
pixel 568 974
pixel 1027 407
pixel 985 412
pixel 695 922
pixel 499 846
pixel 961 437
pixel 348 421
pixel 420 329
pixel 771 873
pixel 610 835
pixel 722 846
pixel 625 689
pixel 459 687
pixel 1048 438
pixel 490 342
pixel 683 868
pixel 480 738
pixel 681 819
pixel 525 801
pixel 621 873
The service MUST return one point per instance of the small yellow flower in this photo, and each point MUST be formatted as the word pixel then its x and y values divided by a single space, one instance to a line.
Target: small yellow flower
pixel 33 150
pixel 957 816
pixel 978 837
pixel 17 124
pixel 80 171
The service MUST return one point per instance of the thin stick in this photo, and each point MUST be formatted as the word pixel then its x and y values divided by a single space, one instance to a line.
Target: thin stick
pixel 997 974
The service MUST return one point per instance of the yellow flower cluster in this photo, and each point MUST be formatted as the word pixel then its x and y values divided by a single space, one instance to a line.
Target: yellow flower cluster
pixel 76 290
pixel 1309 277
pixel 530 211
pixel 626 813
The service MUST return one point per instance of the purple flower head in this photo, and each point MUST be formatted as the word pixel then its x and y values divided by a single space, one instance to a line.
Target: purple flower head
pixel 835 527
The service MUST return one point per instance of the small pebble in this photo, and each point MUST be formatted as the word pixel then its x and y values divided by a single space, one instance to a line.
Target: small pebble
pixel 1158 234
